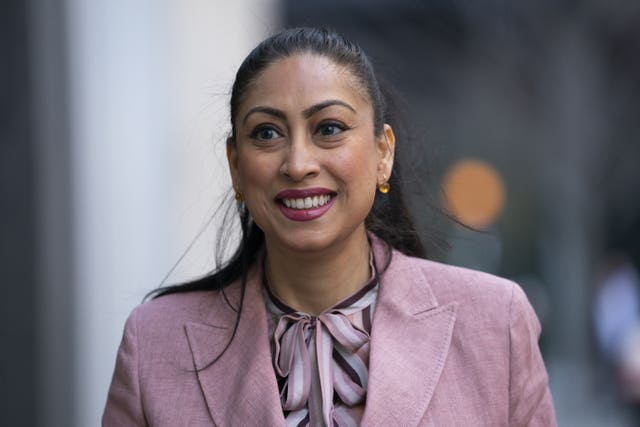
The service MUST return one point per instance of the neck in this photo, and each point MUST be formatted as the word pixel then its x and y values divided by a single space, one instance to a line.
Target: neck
pixel 314 282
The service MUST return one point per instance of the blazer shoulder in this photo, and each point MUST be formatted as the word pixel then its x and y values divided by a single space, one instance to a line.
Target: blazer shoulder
pixel 207 307
pixel 452 283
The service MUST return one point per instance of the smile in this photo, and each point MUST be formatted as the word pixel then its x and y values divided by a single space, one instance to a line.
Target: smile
pixel 307 202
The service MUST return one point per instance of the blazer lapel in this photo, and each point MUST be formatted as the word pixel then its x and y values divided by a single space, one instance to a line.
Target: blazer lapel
pixel 410 340
pixel 240 388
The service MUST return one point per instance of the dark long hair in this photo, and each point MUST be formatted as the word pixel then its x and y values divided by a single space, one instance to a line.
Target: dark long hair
pixel 389 218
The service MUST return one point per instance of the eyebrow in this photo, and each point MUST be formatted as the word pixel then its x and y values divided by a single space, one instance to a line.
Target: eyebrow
pixel 268 110
pixel 322 105
pixel 306 113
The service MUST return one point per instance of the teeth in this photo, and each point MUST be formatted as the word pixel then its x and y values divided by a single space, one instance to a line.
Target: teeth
pixel 307 202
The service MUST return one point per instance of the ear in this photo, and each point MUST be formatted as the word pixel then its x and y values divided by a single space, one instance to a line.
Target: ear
pixel 386 145
pixel 232 158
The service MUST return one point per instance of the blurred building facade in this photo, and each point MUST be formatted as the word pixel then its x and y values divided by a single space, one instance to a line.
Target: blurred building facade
pixel 114 116
pixel 546 93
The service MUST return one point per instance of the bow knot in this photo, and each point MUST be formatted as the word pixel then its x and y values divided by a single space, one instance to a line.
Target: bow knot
pixel 327 350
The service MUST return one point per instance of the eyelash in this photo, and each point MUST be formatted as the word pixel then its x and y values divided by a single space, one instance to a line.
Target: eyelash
pixel 255 134
pixel 341 128
pixel 262 128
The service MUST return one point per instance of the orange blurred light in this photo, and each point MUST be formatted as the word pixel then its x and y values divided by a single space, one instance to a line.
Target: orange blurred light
pixel 474 192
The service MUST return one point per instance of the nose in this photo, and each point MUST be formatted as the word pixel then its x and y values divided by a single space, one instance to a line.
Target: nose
pixel 300 160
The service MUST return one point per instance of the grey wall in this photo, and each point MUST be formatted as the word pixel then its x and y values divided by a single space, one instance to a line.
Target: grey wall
pixel 17 231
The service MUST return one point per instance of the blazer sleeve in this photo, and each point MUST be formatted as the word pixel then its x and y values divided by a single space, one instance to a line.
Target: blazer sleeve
pixel 530 402
pixel 124 403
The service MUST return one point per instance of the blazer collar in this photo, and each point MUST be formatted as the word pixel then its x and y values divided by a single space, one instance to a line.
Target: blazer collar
pixel 240 388
pixel 410 339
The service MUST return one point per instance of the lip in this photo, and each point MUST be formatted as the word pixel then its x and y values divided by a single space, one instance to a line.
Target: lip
pixel 304 214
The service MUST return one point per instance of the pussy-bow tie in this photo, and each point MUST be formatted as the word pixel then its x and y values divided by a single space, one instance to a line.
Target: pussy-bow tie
pixel 341 350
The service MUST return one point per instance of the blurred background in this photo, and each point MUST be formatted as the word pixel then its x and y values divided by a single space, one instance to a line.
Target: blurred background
pixel 522 118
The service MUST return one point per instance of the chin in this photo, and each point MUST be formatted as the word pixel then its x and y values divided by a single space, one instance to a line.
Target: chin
pixel 310 241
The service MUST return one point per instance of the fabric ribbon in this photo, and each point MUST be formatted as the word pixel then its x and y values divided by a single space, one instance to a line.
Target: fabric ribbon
pixel 323 355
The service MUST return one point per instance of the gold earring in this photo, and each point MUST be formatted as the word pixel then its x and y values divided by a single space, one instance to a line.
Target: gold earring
pixel 239 196
pixel 384 187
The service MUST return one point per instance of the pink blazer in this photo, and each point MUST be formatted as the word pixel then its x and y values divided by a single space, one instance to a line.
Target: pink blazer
pixel 449 347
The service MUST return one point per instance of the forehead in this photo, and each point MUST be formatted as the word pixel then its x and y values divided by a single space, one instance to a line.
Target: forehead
pixel 304 79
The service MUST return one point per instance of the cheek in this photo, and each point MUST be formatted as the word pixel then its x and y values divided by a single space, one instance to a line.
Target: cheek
pixel 255 170
pixel 358 166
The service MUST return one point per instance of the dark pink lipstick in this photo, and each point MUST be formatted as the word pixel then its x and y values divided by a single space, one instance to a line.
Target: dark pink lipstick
pixel 295 203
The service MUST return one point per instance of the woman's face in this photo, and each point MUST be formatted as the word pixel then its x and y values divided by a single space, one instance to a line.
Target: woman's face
pixel 305 157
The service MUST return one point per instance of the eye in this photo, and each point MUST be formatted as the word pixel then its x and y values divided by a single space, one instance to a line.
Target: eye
pixel 265 133
pixel 330 129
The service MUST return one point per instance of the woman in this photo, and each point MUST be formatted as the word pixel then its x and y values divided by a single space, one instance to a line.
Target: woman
pixel 326 314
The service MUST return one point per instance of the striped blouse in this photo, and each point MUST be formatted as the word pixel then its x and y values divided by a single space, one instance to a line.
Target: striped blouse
pixel 321 362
